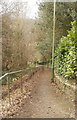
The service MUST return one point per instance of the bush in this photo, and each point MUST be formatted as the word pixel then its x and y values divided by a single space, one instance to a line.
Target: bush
pixel 65 54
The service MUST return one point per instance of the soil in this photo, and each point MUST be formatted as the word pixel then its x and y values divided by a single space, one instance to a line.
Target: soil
pixel 42 99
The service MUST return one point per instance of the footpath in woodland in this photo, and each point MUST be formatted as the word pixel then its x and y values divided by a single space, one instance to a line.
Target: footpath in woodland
pixel 43 99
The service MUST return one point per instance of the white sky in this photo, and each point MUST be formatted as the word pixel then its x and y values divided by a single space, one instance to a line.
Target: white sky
pixel 32 7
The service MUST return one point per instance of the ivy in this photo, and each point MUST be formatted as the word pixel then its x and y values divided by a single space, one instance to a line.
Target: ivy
pixel 65 54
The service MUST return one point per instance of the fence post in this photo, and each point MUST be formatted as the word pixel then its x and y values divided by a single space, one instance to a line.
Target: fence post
pixel 21 84
pixel 8 85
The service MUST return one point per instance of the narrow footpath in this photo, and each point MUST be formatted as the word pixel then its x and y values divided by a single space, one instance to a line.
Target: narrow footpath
pixel 46 100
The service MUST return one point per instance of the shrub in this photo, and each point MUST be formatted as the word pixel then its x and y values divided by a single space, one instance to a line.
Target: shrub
pixel 65 54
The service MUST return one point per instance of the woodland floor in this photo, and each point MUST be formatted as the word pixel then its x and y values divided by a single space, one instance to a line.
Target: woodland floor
pixel 43 99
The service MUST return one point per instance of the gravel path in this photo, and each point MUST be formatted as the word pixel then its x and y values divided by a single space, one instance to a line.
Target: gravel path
pixel 46 100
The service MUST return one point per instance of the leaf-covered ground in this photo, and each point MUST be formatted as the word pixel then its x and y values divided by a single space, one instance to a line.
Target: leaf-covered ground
pixel 40 99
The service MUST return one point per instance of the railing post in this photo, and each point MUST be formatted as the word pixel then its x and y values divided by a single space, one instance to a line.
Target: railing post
pixel 8 85
pixel 21 84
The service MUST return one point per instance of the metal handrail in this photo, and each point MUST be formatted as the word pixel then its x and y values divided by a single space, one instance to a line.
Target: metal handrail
pixel 8 82
pixel 10 73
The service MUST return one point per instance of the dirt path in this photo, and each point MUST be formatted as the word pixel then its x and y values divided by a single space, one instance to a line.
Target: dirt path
pixel 46 100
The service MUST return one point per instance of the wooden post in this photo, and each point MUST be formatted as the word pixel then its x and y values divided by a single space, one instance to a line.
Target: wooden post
pixel 21 84
pixel 53 42
pixel 8 85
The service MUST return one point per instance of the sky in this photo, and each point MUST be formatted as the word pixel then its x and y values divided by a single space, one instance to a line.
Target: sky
pixel 32 6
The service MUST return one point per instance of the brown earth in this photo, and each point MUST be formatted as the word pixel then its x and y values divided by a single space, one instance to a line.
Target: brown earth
pixel 43 99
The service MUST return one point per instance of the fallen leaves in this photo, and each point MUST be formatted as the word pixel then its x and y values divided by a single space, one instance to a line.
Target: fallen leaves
pixel 17 99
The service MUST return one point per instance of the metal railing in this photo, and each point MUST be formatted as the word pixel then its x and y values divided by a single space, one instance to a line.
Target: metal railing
pixel 8 80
